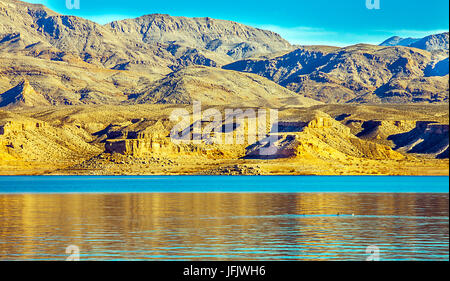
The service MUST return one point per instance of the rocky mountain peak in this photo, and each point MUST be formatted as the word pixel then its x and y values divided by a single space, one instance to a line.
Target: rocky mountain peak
pixel 435 42
pixel 23 94
pixel 221 36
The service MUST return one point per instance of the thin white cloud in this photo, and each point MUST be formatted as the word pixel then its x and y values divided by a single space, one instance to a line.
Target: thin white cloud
pixel 412 33
pixel 302 35
pixel 317 36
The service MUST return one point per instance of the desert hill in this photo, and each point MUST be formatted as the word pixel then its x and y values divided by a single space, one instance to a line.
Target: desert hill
pixel 213 86
pixel 67 80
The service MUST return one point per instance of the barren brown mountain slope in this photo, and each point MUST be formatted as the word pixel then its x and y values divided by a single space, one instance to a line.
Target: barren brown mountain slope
pixel 360 73
pixel 68 80
pixel 24 25
pixel 213 86
pixel 152 43
pixel 223 37
pixel 71 60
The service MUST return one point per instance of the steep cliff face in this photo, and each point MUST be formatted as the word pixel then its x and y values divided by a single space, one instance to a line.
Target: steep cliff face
pixel 325 138
pixel 152 138
pixel 10 147
pixel 333 137
pixel 22 95
pixel 141 146
pixel 8 127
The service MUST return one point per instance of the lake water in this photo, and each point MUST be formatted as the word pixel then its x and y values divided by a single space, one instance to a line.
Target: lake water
pixel 224 218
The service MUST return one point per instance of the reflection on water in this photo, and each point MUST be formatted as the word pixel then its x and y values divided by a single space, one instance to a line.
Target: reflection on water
pixel 224 226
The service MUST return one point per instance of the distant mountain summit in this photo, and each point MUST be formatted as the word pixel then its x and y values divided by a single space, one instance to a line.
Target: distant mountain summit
pixel 399 41
pixel 220 36
pixel 435 42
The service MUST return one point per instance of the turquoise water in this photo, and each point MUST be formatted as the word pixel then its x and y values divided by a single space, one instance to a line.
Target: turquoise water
pixel 224 218
pixel 226 184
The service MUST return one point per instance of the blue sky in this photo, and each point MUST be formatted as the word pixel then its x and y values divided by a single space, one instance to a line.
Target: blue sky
pixel 306 22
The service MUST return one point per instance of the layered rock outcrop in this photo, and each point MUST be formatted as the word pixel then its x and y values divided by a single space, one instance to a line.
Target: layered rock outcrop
pixel 150 138
pixel 325 138
pixel 328 137
pixel 140 146
pixel 30 139
pixel 8 127
pixel 335 140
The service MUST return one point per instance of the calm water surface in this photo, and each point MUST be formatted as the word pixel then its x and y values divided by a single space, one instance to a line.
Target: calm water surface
pixel 37 223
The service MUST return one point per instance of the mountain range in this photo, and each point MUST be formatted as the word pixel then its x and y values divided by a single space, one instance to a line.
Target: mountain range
pixel 435 42
pixel 69 60
pixel 360 73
